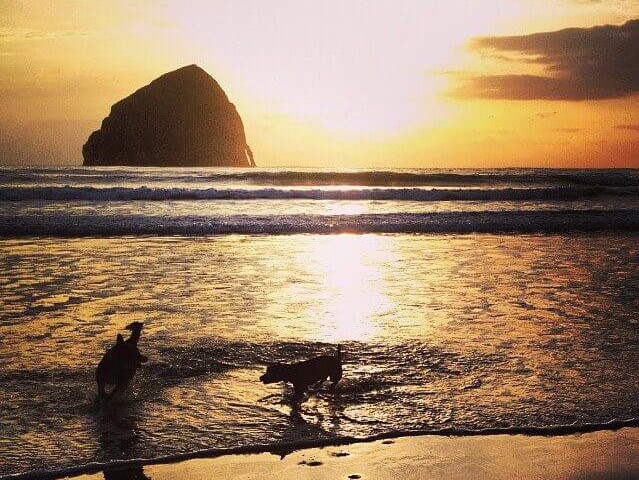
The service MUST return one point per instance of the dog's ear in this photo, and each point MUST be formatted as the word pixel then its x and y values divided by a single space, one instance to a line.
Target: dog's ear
pixel 119 340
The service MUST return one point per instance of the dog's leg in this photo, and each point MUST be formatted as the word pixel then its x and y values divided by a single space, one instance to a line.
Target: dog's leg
pixel 120 387
pixel 100 382
pixel 335 377
pixel 296 400
pixel 298 390
pixel 318 384
pixel 115 390
pixel 101 392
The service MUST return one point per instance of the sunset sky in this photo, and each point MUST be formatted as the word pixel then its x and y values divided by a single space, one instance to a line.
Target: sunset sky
pixel 477 83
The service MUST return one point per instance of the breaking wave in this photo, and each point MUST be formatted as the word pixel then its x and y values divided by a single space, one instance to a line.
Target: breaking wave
pixel 548 221
pixel 280 177
pixel 71 193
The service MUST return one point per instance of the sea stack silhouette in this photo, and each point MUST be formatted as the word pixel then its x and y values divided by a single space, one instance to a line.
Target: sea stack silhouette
pixel 181 119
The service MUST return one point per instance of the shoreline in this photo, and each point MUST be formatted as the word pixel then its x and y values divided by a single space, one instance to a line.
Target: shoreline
pixel 286 449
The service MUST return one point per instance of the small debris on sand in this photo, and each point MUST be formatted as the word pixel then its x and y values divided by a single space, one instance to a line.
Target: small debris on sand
pixel 340 454
pixel 476 383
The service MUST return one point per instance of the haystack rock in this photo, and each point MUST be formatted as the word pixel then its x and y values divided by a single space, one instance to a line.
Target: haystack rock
pixel 181 119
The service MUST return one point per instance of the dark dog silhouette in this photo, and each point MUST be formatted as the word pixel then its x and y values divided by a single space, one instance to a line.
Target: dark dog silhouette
pixel 120 362
pixel 309 373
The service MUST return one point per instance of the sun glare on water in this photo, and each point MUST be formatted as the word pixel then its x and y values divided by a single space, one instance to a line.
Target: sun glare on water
pixel 353 271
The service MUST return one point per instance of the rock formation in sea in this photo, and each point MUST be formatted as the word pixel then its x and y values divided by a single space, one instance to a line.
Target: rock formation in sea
pixel 181 119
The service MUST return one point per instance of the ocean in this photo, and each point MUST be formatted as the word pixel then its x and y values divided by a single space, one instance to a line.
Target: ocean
pixel 463 300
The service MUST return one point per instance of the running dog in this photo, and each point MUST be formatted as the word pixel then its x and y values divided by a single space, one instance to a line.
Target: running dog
pixel 120 362
pixel 306 374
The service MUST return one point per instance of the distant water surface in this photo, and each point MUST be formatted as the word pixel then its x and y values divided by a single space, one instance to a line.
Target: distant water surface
pixel 78 202
pixel 532 322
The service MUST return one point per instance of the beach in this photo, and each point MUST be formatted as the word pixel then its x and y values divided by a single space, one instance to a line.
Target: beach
pixel 464 302
pixel 319 240
pixel 602 455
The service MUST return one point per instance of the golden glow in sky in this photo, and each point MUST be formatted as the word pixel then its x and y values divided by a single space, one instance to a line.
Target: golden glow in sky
pixel 333 83
pixel 357 67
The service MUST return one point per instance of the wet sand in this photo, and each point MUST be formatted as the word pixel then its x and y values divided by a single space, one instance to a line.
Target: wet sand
pixel 604 455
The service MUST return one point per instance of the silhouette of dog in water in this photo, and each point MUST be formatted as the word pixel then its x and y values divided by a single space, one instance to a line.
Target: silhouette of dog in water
pixel 120 362
pixel 306 374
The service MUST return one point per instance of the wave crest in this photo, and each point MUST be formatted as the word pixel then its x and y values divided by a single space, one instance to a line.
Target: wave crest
pixel 547 221
pixel 70 193
pixel 283 177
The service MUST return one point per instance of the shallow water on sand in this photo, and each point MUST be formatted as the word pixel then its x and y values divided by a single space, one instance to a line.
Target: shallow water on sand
pixel 438 331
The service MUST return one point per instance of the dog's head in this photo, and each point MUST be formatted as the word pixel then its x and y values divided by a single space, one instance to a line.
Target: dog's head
pixel 134 326
pixel 274 373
